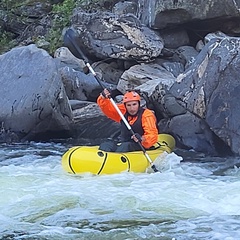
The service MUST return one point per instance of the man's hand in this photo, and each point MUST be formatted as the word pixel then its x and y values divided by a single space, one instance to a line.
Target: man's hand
pixel 106 93
pixel 137 137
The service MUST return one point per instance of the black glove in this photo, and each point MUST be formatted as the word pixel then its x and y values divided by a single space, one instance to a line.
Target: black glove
pixel 103 94
pixel 138 136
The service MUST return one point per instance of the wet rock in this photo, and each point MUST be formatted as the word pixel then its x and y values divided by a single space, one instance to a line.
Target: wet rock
pixel 32 93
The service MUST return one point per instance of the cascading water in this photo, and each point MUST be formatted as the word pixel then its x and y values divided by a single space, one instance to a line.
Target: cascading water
pixel 196 199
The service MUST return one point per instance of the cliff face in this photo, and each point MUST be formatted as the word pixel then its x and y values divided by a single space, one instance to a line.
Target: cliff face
pixel 181 56
pixel 42 22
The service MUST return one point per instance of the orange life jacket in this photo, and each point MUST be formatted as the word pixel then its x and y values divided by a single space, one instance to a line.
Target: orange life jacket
pixel 148 120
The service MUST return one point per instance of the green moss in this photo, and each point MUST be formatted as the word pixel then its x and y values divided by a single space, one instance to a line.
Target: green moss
pixel 7 4
pixel 6 41
pixel 62 13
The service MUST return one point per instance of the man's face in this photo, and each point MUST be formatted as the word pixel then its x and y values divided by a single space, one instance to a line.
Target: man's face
pixel 132 107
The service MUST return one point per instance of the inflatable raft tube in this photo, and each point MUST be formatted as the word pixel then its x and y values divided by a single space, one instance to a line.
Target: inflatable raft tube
pixel 89 159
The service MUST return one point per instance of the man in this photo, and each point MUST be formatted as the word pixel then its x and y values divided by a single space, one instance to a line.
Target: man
pixel 142 122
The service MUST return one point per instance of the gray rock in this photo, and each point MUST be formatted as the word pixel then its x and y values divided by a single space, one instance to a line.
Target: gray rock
pixel 33 98
pixel 145 77
pixel 81 86
pixel 104 35
pixel 186 55
pixel 193 133
pixel 209 88
pixel 90 122
pixel 160 14
pixel 174 37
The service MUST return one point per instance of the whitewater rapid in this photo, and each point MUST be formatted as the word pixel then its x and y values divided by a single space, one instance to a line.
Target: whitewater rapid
pixel 198 199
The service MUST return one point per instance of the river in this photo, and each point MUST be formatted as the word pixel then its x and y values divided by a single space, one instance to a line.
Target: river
pixel 192 198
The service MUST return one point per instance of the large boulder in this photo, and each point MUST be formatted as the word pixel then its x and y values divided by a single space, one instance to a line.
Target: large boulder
pixel 33 98
pixel 162 14
pixel 209 88
pixel 107 35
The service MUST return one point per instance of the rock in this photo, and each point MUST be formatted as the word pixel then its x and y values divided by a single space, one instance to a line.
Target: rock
pixel 110 72
pixel 176 68
pixel 7 136
pixel 193 133
pixel 125 7
pixel 185 55
pixel 107 35
pixel 174 37
pixel 145 77
pixel 81 86
pixel 68 59
pixel 159 48
pixel 33 98
pixel 91 123
pixel 162 14
pixel 209 88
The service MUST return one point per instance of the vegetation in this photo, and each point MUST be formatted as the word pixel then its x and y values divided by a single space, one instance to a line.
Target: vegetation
pixel 6 41
pixel 8 4
pixel 6 38
pixel 61 14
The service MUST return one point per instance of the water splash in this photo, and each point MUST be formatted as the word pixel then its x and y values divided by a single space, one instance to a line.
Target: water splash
pixel 196 199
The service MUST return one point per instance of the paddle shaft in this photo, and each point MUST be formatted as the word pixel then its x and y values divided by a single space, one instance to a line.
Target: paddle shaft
pixel 112 101
pixel 124 119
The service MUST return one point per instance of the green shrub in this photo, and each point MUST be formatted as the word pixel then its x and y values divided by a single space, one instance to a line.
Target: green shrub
pixel 62 13
pixel 6 42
